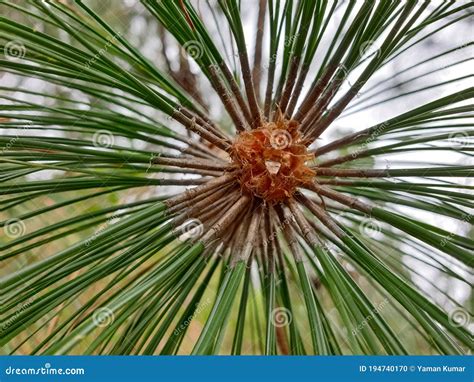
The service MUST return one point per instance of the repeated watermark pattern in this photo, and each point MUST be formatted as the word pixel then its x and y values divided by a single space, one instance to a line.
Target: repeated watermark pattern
pixel 281 317
pixel 103 317
pixel 288 42
pixel 10 321
pixel 103 138
pixel 101 52
pixel 459 317
pixel 369 48
pixel 15 138
pixel 460 139
pixel 377 309
pixel 372 137
pixel 199 308
pixel 191 229
pixel 466 217
pixel 112 220
pixel 193 48
pixel 14 228
pixel 280 139
pixel 14 50
pixel 370 228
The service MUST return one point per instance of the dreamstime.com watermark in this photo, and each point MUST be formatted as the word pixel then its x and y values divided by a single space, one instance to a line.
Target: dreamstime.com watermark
pixel 44 370
pixel 377 309
pixel 10 321
pixel 14 140
pixel 110 221
pixel 447 238
pixel 102 51
pixel 373 136
pixel 199 308
pixel 289 41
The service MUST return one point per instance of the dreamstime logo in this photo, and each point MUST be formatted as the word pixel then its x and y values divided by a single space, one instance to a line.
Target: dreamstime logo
pixel 369 228
pixel 14 228
pixel 14 50
pixel 281 317
pixel 369 48
pixel 459 317
pixel 103 138
pixel 459 139
pixel 45 370
pixel 193 48
pixel 280 139
pixel 191 229
pixel 103 317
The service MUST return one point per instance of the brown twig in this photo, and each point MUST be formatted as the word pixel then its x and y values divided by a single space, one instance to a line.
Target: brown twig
pixel 226 98
pixel 257 61
pixel 193 192
pixel 226 219
pixel 192 163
